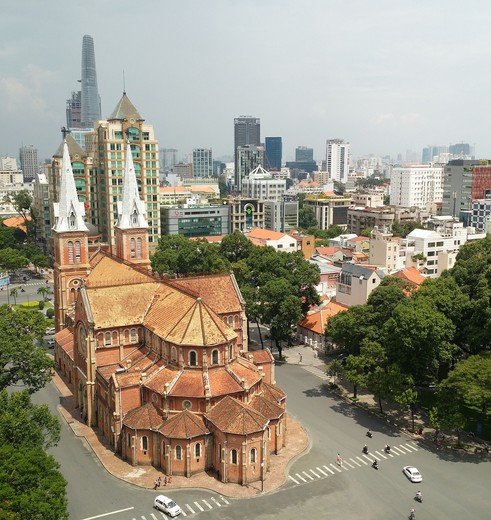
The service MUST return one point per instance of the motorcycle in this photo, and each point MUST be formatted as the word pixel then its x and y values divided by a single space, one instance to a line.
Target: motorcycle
pixel 365 449
pixel 419 498
pixel 369 434
pixel 375 464
pixel 387 449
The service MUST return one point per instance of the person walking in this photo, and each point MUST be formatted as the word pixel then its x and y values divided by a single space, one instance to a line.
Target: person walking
pixel 300 358
pixel 339 460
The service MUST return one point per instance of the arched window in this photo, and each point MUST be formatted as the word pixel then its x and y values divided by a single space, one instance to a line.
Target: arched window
pixel 77 252
pixel 139 248
pixel 178 453
pixel 132 248
pixel 253 455
pixel 193 358
pixel 197 450
pixel 115 338
pixel 107 339
pixel 230 321
pixel 214 357
pixel 233 457
pixel 237 322
pixel 230 351
pixel 133 336
pixel 144 443
pixel 70 251
pixel 126 336
pixel 173 354
pixel 129 440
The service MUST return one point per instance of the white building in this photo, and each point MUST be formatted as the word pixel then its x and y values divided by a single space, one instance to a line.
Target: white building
pixel 267 237
pixel 417 185
pixel 260 184
pixel 337 159
pixel 8 163
pixel 481 211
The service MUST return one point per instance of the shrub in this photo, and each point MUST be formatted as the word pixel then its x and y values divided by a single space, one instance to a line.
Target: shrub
pixel 50 313
pixel 41 305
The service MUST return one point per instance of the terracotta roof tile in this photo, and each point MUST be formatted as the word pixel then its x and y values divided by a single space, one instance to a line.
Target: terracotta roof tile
pixel 146 417
pixel 273 393
pixel 110 271
pixel 164 375
pixel 189 384
pixel 232 416
pixel 265 234
pixel 411 274
pixel 246 370
pixel 266 407
pixel 327 251
pixel 316 321
pixel 64 338
pixel 185 425
pixel 222 382
pixel 261 356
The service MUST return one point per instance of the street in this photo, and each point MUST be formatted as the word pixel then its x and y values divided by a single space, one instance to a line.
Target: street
pixel 454 485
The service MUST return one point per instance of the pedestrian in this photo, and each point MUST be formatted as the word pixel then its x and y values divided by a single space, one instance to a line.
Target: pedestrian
pixel 339 460
pixel 169 480
pixel 156 483
pixel 165 481
pixel 300 358
pixel 159 482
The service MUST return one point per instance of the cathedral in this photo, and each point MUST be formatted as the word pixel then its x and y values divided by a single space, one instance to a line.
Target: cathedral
pixel 160 367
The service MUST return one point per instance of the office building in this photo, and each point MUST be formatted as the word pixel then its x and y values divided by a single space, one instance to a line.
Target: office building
pixel 329 210
pixel 249 157
pixel 273 151
pixel 304 154
pixel 29 165
pixel 481 212
pixel 260 184
pixel 281 215
pixel 337 159
pixel 245 213
pixel 195 221
pixel 202 162
pixel 458 180
pixel 417 185
pixel 247 131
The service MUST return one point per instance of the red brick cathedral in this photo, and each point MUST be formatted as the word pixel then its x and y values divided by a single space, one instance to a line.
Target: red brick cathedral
pixel 160 367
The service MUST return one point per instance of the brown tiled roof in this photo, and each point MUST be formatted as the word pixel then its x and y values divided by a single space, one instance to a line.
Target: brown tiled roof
pixel 411 274
pixel 109 271
pixel 146 417
pixel 244 369
pixel 189 384
pixel 185 320
pixel 327 250
pixel 64 338
pixel 185 425
pixel 260 356
pixel 232 416
pixel 273 393
pixel 164 375
pixel 265 234
pixel 222 382
pixel 110 305
pixel 266 407
pixel 218 291
pixel 317 321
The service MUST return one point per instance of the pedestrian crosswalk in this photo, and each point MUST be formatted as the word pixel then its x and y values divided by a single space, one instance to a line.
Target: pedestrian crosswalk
pixel 346 464
pixel 192 508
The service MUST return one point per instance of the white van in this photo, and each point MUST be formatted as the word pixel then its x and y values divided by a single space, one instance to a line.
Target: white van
pixel 166 505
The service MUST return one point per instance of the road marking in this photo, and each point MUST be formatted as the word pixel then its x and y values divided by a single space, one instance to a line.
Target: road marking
pixel 362 460
pixel 398 451
pixel 335 467
pixel 111 513
pixel 182 512
pixel 300 477
pixel 206 503
pixel 312 471
pixel 328 469
pixel 198 506
pixel 216 501
pixel 380 454
pixel 323 472
pixel 290 477
pixel 355 462
pixel 414 448
pixel 153 516
pixel 404 449
pixel 225 500
pixel 307 475
pixel 346 462
pixel 190 508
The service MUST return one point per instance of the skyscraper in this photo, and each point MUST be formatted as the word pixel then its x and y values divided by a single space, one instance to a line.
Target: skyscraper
pixel 337 159
pixel 91 103
pixel 247 131
pixel 303 153
pixel 249 157
pixel 29 165
pixel 202 162
pixel 274 150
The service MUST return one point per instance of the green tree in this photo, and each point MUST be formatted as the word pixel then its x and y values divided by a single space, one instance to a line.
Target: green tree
pixel 387 296
pixel 22 202
pixel 11 259
pixel 235 247
pixel 20 358
pixel 447 413
pixel 8 238
pixel 14 293
pixel 306 217
pixel 44 292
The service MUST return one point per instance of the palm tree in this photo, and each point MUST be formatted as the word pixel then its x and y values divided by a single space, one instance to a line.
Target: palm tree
pixel 14 293
pixel 44 291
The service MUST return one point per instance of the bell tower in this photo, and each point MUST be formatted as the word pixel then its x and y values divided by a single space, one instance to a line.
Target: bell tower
pixel 131 230
pixel 70 240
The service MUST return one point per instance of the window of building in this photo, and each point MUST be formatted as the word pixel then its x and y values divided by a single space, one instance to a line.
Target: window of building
pixel 133 336
pixel 70 251
pixel 129 440
pixel 144 443
pixel 173 354
pixel 107 339
pixel 132 248
pixel 77 252
pixel 193 358
pixel 197 450
pixel 139 248
pixel 234 457
pixel 178 452
pixel 214 357
pixel 253 455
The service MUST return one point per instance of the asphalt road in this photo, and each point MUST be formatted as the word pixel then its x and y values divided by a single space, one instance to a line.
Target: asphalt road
pixel 454 486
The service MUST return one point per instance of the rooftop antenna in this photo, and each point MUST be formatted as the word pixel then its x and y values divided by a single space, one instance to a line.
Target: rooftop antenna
pixel 124 84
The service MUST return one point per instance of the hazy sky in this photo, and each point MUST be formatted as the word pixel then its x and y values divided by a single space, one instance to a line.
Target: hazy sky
pixel 385 75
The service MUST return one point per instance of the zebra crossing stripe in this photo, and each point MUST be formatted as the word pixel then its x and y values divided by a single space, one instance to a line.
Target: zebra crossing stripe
pixel 346 462
pixel 414 448
pixel 307 475
pixel 381 454
pixel 153 516
pixel 216 501
pixel 312 471
pixel 355 462
pixel 362 460
pixel 198 506
pixel 190 509
pixel 328 469
pixel 399 451
pixel 300 477
pixel 368 458
pixel 206 503
pixel 291 478
pixel 323 472
pixel 335 467
pixel 225 500
pixel 183 513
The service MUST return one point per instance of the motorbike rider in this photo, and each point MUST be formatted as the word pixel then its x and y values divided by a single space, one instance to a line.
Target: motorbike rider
pixel 365 449
pixel 412 514
pixel 369 433
pixel 375 464
pixel 419 496
pixel 387 448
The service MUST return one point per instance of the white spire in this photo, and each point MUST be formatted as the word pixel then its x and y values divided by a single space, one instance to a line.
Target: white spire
pixel 131 210
pixel 69 210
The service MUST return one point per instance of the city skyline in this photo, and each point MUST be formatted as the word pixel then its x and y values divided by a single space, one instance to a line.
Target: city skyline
pixel 387 78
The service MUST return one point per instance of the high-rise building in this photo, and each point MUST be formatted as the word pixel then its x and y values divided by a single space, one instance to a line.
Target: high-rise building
pixel 84 106
pixel 337 159
pixel 304 154
pixel 202 162
pixel 260 184
pixel 274 150
pixel 249 157
pixel 247 131
pixel 29 165
pixel 417 185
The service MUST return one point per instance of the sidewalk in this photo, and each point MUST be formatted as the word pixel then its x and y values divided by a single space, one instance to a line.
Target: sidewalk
pixel 144 476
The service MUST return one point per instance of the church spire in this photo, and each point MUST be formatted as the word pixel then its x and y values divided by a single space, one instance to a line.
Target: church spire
pixel 69 210
pixel 131 210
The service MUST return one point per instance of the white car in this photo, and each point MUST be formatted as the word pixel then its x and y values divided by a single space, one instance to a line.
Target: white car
pixel 50 331
pixel 166 505
pixel 412 473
